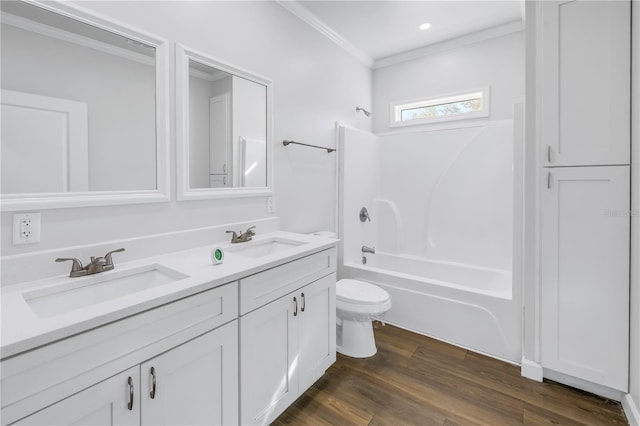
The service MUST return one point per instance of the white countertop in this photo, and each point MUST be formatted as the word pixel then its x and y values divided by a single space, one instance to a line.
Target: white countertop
pixel 22 329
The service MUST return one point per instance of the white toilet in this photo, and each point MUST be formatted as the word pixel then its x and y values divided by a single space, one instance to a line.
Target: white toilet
pixel 357 303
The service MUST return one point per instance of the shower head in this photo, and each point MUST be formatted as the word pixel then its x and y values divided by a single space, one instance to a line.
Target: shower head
pixel 367 113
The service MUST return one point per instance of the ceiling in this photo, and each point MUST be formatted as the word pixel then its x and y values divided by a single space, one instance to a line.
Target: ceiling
pixel 380 29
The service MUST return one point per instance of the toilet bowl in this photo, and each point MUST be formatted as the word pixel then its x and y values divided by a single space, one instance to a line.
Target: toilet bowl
pixel 357 303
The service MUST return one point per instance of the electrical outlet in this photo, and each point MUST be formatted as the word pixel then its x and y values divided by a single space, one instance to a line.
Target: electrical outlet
pixel 26 228
pixel 271 205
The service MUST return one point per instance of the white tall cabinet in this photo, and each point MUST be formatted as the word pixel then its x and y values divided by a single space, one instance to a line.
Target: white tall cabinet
pixel 584 52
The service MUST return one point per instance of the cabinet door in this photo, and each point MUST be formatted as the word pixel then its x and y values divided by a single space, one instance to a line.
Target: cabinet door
pixel 105 403
pixel 585 273
pixel 195 383
pixel 585 58
pixel 268 363
pixel 316 330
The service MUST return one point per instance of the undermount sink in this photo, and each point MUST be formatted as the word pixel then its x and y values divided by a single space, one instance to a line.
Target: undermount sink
pixel 76 293
pixel 264 247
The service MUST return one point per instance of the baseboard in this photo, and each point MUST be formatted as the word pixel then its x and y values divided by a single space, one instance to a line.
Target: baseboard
pixel 631 410
pixel 585 385
pixel 531 370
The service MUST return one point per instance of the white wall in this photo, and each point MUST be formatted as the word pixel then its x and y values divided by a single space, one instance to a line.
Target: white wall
pixel 119 94
pixel 315 84
pixel 497 62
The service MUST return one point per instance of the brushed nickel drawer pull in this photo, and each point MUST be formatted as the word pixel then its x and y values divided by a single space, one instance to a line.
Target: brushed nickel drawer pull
pixel 130 403
pixel 152 394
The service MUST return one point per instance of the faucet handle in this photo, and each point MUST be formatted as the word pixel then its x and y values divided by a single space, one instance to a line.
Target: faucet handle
pixel 107 257
pixel 251 231
pixel 76 268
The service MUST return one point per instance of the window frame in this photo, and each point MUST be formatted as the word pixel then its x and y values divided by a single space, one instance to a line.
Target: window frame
pixel 395 109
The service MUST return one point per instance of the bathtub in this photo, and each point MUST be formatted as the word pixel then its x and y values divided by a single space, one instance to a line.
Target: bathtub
pixel 466 305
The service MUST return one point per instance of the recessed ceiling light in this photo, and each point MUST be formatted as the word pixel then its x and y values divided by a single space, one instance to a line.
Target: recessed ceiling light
pixel 425 26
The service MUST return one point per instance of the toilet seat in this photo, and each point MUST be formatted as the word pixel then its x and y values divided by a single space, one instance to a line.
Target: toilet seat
pixel 360 292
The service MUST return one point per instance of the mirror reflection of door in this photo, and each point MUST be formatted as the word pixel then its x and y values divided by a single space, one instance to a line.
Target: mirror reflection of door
pixel 227 133
pixel 220 169
pixel 28 164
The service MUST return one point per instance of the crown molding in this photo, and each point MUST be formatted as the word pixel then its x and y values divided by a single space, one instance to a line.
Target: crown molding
pixel 312 20
pixel 70 37
pixel 499 31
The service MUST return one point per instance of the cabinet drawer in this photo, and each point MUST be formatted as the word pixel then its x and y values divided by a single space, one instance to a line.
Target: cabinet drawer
pixel 264 287
pixel 47 374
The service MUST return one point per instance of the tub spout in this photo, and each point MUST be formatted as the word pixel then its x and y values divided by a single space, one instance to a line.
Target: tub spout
pixel 366 249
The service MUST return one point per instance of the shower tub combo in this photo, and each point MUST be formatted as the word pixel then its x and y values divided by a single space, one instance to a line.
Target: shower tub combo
pixel 461 304
pixel 444 218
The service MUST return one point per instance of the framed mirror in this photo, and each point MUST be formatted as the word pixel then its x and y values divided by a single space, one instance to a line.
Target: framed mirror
pixel 84 110
pixel 224 129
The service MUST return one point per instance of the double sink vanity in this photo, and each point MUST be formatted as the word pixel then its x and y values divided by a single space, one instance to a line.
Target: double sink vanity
pixel 173 339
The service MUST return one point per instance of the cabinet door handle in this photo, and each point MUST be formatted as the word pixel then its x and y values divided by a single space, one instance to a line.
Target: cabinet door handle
pixel 152 394
pixel 548 180
pixel 548 153
pixel 295 306
pixel 304 302
pixel 130 403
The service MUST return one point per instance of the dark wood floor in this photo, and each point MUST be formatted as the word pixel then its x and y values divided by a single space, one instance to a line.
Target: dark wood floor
pixel 415 380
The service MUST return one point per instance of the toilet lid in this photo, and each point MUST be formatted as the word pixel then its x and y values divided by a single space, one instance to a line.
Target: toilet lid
pixel 357 291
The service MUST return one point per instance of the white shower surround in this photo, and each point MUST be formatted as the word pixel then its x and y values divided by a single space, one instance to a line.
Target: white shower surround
pixel 442 225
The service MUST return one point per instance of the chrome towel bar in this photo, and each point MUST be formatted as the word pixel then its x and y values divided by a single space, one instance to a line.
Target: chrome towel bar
pixel 329 150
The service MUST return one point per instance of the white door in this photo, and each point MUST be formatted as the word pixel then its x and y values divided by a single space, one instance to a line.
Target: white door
pixel 268 360
pixel 585 273
pixel 106 403
pixel 44 144
pixel 195 383
pixel 219 134
pixel 586 82
pixel 316 330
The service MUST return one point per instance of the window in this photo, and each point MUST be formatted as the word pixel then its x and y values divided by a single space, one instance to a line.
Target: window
pixel 458 106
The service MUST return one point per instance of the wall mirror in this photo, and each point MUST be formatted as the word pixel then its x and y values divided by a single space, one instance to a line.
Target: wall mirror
pixel 83 110
pixel 224 129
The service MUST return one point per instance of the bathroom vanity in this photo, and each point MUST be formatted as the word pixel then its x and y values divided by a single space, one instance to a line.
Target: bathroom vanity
pixel 187 343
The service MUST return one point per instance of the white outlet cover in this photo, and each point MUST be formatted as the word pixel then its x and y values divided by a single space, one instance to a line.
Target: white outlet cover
pixel 271 205
pixel 34 228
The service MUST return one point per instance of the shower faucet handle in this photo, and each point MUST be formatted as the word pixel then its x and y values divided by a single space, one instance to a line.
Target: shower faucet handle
pixel 364 215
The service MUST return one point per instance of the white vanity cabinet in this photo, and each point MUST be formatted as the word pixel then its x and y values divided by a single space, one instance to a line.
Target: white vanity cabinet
pixel 102 404
pixel 286 341
pixel 89 378
pixel 195 383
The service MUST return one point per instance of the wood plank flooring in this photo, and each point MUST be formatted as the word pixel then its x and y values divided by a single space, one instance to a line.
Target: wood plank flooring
pixel 416 380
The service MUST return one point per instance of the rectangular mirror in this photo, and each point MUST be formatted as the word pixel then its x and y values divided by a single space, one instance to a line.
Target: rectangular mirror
pixel 83 110
pixel 224 129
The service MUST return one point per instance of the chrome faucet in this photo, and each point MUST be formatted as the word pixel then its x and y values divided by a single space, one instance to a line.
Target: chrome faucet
pixel 95 266
pixel 366 249
pixel 243 237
